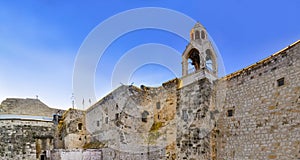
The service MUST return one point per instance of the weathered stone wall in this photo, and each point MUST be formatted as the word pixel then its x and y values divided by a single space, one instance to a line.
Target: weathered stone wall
pixel 71 130
pixel 111 154
pixel 20 139
pixel 100 154
pixel 76 154
pixel 195 120
pixel 261 119
pixel 136 121
pixel 250 114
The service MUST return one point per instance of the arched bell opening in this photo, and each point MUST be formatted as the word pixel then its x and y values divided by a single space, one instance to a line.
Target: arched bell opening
pixel 197 35
pixel 203 35
pixel 210 61
pixel 193 61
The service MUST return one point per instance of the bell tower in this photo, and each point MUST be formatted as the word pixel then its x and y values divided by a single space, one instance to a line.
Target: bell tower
pixel 199 59
pixel 195 108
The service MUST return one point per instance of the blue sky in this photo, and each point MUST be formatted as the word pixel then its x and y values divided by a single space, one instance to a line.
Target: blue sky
pixel 39 40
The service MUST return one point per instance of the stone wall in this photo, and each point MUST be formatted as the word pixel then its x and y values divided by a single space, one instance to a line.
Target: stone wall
pixel 111 154
pixel 71 130
pixel 27 130
pixel 100 154
pixel 20 139
pixel 76 154
pixel 195 120
pixel 261 109
pixel 136 121
pixel 250 114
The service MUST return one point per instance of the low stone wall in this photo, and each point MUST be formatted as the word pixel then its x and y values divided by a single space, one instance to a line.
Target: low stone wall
pixel 100 154
pixel 20 139
pixel 77 154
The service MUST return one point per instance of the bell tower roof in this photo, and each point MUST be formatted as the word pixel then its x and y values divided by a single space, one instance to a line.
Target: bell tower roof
pixel 198 25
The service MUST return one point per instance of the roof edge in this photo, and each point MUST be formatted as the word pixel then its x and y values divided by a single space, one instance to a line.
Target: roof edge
pixel 236 73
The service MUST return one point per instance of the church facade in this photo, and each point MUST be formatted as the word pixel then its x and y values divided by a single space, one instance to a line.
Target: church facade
pixel 250 114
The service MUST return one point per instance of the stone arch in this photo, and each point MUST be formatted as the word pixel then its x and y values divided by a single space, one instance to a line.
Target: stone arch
pixel 210 61
pixel 192 35
pixel 194 59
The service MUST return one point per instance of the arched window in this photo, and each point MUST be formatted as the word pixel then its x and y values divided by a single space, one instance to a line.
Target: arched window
pixel 197 35
pixel 144 116
pixel 80 126
pixel 209 60
pixel 203 35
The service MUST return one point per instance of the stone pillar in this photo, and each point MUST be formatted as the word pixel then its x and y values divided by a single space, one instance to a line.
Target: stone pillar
pixel 184 67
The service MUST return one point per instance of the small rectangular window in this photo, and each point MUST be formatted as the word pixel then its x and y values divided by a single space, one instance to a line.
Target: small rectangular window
pixel 157 105
pixel 184 115
pixel 144 116
pixel 230 113
pixel 98 123
pixel 273 69
pixel 280 82
pixel 117 116
pixel 106 120
pixel 80 126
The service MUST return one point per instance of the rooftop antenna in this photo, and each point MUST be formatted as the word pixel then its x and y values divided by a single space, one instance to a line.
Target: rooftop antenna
pixel 131 84
pixel 83 102
pixel 73 102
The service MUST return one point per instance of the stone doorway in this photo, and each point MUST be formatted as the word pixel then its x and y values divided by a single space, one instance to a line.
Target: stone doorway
pixel 43 157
